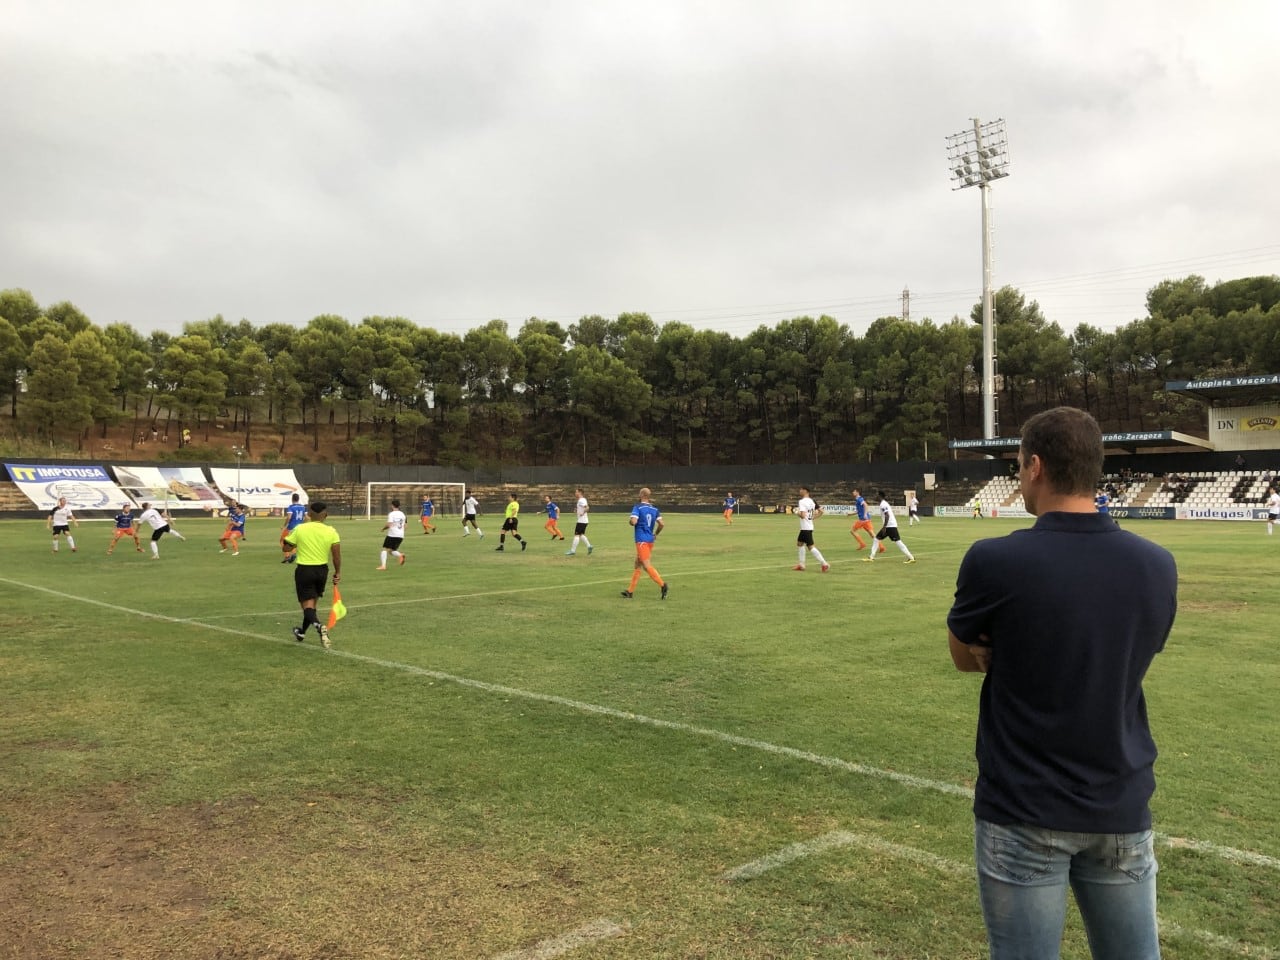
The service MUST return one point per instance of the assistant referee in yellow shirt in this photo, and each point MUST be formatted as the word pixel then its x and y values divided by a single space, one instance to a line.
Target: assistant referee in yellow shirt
pixel 315 542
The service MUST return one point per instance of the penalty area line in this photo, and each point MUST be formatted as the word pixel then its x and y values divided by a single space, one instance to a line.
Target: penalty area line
pixel 834 841
pixel 1230 854
pixel 838 839
pixel 590 932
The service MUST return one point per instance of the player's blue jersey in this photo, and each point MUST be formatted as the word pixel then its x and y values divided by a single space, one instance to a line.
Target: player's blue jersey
pixel 428 508
pixel 646 526
pixel 124 521
pixel 236 520
pixel 1103 503
pixel 860 505
pixel 553 510
pixel 294 514
pixel 730 502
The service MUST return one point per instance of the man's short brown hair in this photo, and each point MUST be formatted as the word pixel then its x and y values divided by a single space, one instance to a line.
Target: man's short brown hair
pixel 1068 442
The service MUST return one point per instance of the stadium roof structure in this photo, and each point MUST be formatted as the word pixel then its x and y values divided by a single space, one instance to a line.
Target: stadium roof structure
pixel 1260 387
pixel 1123 441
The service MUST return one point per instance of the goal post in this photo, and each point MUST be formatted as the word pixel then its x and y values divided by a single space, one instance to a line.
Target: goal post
pixel 447 498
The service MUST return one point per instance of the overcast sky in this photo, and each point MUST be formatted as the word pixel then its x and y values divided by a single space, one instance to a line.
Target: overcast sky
pixel 724 163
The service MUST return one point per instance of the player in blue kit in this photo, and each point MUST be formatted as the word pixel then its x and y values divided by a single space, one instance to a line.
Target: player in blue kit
pixel 428 511
pixel 126 526
pixel 235 529
pixel 552 526
pixel 862 520
pixel 730 504
pixel 294 514
pixel 646 519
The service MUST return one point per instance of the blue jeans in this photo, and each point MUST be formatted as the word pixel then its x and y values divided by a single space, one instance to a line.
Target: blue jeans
pixel 1023 873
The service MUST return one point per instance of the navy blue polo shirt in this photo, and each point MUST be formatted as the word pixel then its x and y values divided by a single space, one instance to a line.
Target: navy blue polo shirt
pixel 1075 608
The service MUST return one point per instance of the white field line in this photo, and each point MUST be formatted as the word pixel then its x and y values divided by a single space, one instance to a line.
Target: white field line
pixel 1230 854
pixel 590 932
pixel 841 838
pixel 1243 857
pixel 1217 942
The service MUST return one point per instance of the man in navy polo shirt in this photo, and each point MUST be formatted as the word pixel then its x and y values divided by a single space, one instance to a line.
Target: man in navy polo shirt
pixel 1065 754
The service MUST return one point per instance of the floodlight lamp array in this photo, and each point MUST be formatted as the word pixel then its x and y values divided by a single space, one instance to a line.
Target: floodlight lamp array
pixel 978 155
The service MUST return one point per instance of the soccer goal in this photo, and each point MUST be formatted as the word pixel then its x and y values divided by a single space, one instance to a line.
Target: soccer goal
pixel 447 498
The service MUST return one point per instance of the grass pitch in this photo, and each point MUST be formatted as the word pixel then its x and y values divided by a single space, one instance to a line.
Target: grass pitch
pixel 501 757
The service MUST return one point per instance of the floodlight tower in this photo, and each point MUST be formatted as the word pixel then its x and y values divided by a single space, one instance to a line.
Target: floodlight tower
pixel 977 157
pixel 239 454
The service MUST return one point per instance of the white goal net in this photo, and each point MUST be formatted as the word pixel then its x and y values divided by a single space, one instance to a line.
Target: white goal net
pixel 446 498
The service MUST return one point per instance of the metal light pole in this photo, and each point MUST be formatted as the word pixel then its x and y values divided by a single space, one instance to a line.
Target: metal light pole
pixel 977 157
pixel 239 452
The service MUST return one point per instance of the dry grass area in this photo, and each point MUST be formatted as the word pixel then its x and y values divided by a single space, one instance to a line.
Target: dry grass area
pixel 322 878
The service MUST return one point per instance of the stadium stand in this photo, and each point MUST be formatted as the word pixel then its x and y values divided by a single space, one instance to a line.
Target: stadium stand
pixel 1198 488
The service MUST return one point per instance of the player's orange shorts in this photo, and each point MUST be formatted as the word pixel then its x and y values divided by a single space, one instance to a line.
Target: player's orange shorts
pixel 131 532
pixel 864 525
pixel 643 550
pixel 231 535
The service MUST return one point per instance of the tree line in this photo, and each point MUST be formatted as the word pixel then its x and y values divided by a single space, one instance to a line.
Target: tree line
pixel 628 390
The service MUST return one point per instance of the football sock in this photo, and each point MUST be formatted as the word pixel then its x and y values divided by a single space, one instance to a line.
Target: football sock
pixel 817 555
pixel 71 541
pixel 655 577
pixel 155 550
pixel 800 556
pixel 384 558
pixel 903 547
pixel 635 578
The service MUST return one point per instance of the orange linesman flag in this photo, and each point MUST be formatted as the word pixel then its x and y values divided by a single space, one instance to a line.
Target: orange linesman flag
pixel 339 609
